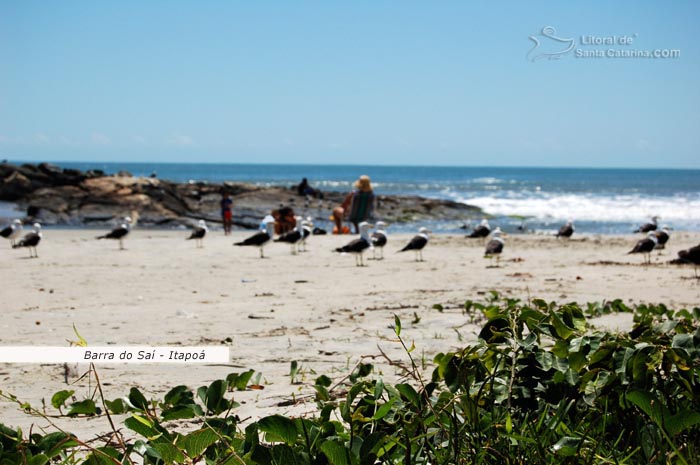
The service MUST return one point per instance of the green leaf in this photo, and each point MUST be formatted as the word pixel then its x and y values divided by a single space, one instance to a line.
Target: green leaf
pixel 116 406
pixel 278 428
pixel 567 446
pixel 240 381
pixel 179 395
pixel 81 342
pixel 397 325
pixel 681 421
pixel 53 443
pixel 378 389
pixel 138 400
pixel 179 412
pixel 142 426
pixel 650 405
pixel 168 452
pixel 84 407
pixel 335 453
pixel 362 370
pixel 59 398
pixel 293 370
pixel 409 393
pixel 39 459
pixel 384 409
pixel 683 341
pixel 214 398
pixel 197 442
pixel 563 331
pixel 282 454
pixel 323 380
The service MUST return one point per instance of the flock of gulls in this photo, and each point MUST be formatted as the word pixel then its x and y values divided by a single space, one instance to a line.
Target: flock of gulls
pixel 656 238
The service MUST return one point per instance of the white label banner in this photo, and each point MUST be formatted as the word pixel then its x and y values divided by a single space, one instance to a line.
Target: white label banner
pixel 115 354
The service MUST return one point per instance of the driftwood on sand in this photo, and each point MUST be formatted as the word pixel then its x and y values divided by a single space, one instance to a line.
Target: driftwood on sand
pixel 72 197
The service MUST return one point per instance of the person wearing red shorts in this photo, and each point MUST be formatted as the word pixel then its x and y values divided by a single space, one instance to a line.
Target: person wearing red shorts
pixel 226 213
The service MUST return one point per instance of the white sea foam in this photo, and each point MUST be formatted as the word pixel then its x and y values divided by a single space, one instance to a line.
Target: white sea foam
pixel 621 208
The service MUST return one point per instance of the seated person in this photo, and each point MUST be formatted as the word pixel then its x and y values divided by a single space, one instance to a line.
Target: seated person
pixel 357 207
pixel 305 189
pixel 284 220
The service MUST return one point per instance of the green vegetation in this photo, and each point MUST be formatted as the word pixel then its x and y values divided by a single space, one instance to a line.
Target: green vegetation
pixel 539 387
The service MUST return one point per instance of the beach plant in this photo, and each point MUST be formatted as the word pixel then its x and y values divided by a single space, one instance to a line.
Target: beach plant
pixel 540 386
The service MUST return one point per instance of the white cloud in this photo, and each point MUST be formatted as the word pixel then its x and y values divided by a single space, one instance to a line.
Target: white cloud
pixel 41 138
pixel 139 139
pixel 181 140
pixel 644 145
pixel 99 138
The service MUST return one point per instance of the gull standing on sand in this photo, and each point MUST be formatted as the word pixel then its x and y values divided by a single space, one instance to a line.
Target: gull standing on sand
pixel 691 256
pixel 12 232
pixel 495 247
pixel 567 230
pixel 645 246
pixel 31 241
pixel 293 237
pixel 261 238
pixel 198 233
pixel 307 227
pixel 418 243
pixel 119 233
pixel 358 246
pixel 645 228
pixel 662 236
pixel 379 240
pixel 483 230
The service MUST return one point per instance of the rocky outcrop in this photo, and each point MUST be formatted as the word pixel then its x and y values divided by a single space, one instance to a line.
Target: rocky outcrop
pixel 70 197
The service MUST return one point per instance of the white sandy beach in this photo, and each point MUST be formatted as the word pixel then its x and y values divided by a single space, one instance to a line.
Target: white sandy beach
pixel 316 308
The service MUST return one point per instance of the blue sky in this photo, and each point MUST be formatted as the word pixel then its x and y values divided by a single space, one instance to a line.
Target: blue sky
pixel 421 83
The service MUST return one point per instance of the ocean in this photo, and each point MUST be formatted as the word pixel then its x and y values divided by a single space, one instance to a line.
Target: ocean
pixel 606 201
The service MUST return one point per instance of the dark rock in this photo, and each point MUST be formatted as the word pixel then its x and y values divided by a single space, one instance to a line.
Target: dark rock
pixel 94 173
pixel 72 172
pixel 72 197
pixel 49 169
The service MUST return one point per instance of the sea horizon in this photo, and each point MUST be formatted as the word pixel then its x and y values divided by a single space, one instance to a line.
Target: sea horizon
pixel 378 165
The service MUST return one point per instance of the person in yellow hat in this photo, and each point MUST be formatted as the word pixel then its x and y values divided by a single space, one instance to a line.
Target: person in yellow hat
pixel 357 207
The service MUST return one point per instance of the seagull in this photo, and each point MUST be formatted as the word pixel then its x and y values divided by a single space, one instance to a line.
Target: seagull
pixel 417 244
pixel 307 229
pixel 495 246
pixel 119 233
pixel 662 236
pixel 379 240
pixel 198 233
pixel 645 228
pixel 567 230
pixel 645 246
pixel 692 256
pixel 12 231
pixel 358 246
pixel 483 230
pixel 260 238
pixel 31 240
pixel 293 237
